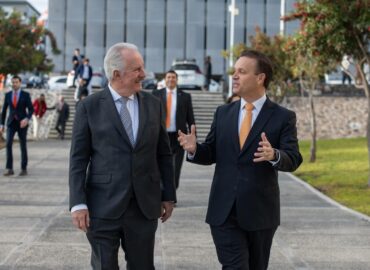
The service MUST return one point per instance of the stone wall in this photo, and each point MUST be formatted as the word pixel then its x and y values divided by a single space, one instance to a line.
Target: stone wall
pixel 337 117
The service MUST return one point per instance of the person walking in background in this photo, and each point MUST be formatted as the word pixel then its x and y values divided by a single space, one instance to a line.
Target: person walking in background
pixel 250 141
pixel 39 109
pixel 345 70
pixel 121 177
pixel 76 62
pixel 85 72
pixel 207 71
pixel 179 116
pixel 20 112
pixel 63 114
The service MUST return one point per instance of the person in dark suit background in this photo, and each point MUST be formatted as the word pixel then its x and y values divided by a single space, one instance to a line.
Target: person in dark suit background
pixel 20 113
pixel 121 176
pixel 250 140
pixel 63 114
pixel 181 117
pixel 85 71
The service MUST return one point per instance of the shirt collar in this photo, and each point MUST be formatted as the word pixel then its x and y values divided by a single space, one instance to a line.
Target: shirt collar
pixel 173 91
pixel 117 96
pixel 257 104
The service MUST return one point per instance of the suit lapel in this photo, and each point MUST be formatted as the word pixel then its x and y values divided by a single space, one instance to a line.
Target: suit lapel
pixel 257 128
pixel 110 108
pixel 179 100
pixel 234 128
pixel 143 112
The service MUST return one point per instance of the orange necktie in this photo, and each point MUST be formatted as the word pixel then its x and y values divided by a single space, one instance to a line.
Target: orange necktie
pixel 14 99
pixel 246 124
pixel 169 106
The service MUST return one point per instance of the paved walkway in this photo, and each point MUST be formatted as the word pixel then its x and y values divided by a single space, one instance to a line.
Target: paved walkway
pixel 36 231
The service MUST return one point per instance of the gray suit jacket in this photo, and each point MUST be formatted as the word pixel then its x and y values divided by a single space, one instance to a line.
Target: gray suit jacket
pixel 106 171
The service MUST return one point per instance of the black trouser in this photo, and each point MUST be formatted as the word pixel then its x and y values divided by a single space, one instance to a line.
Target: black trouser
pixel 62 125
pixel 13 128
pixel 177 155
pixel 238 249
pixel 133 231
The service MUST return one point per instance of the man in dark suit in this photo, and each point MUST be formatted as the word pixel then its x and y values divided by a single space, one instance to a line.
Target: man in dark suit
pixel 179 116
pixel 63 114
pixel 20 113
pixel 121 171
pixel 250 140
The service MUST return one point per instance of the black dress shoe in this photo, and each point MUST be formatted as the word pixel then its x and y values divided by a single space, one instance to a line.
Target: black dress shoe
pixel 8 172
pixel 23 173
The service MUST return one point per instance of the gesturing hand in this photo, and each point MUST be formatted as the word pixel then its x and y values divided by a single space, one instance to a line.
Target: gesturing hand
pixel 265 152
pixel 188 141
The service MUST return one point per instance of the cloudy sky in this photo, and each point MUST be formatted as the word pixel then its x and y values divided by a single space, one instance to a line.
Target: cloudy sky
pixel 40 5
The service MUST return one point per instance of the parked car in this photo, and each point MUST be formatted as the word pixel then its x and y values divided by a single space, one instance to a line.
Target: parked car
pixel 150 82
pixel 98 80
pixel 189 74
pixel 57 83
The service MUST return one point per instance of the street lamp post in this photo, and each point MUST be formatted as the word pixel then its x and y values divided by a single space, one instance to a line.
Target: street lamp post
pixel 282 14
pixel 233 12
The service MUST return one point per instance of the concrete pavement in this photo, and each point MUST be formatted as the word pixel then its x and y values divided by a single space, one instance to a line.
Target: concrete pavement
pixel 36 232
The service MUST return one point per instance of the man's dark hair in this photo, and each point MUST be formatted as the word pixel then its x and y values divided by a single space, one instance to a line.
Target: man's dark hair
pixel 77 49
pixel 171 71
pixel 264 64
pixel 17 77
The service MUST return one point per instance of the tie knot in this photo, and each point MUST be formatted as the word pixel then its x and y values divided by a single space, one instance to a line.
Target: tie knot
pixel 249 106
pixel 123 100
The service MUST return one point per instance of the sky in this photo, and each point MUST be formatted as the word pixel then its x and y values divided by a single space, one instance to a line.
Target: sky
pixel 40 5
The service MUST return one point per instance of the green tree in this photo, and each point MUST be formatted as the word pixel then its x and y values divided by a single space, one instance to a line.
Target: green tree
pixel 332 29
pixel 19 45
pixel 281 61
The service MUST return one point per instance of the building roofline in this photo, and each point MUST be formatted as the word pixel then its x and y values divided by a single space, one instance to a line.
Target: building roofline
pixel 19 2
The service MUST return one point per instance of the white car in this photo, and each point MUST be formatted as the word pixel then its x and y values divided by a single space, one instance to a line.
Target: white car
pixel 189 74
pixel 57 83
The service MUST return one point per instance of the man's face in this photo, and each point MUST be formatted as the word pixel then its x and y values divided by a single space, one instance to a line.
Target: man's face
pixel 42 98
pixel 16 84
pixel 130 79
pixel 171 80
pixel 246 82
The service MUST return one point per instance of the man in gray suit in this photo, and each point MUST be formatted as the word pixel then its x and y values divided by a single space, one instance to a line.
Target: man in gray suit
pixel 121 172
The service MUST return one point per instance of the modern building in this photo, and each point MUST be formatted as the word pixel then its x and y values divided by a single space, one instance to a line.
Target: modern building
pixel 23 7
pixel 162 29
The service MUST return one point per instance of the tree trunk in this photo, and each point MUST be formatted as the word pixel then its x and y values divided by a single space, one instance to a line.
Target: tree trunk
pixel 313 125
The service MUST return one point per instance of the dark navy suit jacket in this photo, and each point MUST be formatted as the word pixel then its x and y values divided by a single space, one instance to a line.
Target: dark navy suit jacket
pixel 252 187
pixel 24 108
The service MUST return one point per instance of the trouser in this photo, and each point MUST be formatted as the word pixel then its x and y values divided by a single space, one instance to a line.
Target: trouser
pixel 133 231
pixel 238 249
pixel 177 156
pixel 13 128
pixel 36 122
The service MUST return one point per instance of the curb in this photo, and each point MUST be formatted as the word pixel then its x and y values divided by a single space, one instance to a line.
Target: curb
pixel 327 199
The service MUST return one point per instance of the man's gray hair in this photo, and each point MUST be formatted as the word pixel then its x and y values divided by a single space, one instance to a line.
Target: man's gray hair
pixel 113 58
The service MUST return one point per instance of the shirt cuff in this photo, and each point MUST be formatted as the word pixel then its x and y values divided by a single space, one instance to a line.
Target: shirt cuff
pixel 78 207
pixel 277 158
pixel 191 156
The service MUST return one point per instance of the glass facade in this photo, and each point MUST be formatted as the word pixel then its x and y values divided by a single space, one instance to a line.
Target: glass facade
pixel 163 30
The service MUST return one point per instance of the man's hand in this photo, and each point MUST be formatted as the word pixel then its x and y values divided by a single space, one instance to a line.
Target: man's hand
pixel 24 123
pixel 2 129
pixel 188 141
pixel 265 152
pixel 81 219
pixel 167 208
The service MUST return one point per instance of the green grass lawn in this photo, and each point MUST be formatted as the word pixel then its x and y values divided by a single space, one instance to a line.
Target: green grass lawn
pixel 340 171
